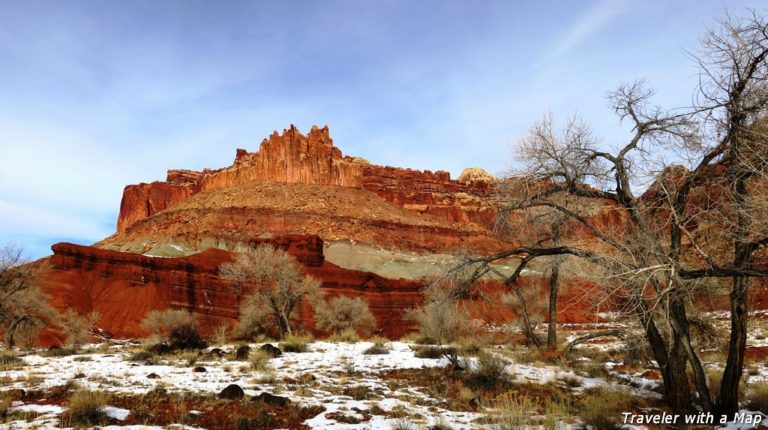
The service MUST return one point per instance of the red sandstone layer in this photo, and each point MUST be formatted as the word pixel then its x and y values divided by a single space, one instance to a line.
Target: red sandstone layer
pixel 123 287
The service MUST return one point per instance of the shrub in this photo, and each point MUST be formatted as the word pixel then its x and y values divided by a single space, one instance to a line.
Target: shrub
pixel 376 349
pixel 57 351
pixel 358 392
pixel 186 337
pixel 77 327
pixel 403 424
pixel 86 408
pixel 295 343
pixel 162 323
pixel 433 352
pixel 636 351
pixel 438 321
pixel 144 356
pixel 190 358
pixel 220 334
pixel 343 313
pixel 254 321
pixel 489 373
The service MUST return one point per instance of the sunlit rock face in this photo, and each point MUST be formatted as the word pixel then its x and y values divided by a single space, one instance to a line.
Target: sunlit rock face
pixel 123 287
pixel 292 157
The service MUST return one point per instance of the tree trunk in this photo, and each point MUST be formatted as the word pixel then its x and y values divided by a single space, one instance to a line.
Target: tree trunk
pixel 552 325
pixel 681 331
pixel 676 389
pixel 525 316
pixel 672 362
pixel 734 365
pixel 737 346
pixel 285 326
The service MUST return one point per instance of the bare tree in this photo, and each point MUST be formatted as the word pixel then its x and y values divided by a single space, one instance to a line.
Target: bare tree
pixel 77 327
pixel 24 307
pixel 542 226
pixel 703 220
pixel 276 285
pixel 345 313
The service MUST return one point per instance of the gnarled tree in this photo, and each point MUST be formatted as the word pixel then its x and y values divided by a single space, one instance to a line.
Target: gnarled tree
pixel 274 284
pixel 23 307
pixel 699 220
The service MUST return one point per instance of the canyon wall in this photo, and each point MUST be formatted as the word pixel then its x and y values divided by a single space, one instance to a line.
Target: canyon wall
pixel 123 287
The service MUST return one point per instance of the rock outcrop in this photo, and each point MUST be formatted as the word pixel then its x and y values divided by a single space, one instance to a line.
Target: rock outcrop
pixel 229 217
pixel 292 157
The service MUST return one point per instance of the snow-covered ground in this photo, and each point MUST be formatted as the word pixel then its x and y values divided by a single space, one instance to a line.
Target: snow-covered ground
pixel 332 366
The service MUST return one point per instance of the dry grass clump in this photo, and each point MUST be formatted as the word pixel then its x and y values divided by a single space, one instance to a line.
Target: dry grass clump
pixel 143 356
pixel 5 403
pixel 472 346
pixel 86 408
pixel 512 411
pixel 9 361
pixel 602 408
pixel 403 424
pixel 348 335
pixel 56 351
pixel 433 352
pixel 295 343
pixel 380 346
pixel 757 397
pixel 259 360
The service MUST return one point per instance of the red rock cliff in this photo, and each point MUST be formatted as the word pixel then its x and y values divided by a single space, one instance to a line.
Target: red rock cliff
pixel 312 159
pixel 123 287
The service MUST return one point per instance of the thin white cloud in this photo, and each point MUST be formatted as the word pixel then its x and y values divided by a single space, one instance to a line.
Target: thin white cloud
pixel 600 14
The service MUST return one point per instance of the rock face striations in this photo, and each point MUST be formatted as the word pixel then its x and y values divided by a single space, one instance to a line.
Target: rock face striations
pixel 312 159
pixel 123 287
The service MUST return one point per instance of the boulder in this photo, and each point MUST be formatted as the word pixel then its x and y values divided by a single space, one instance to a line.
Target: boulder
pixel 271 350
pixel 232 392
pixel 242 353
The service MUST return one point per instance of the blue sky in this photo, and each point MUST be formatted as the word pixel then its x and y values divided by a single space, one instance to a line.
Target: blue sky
pixel 95 95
